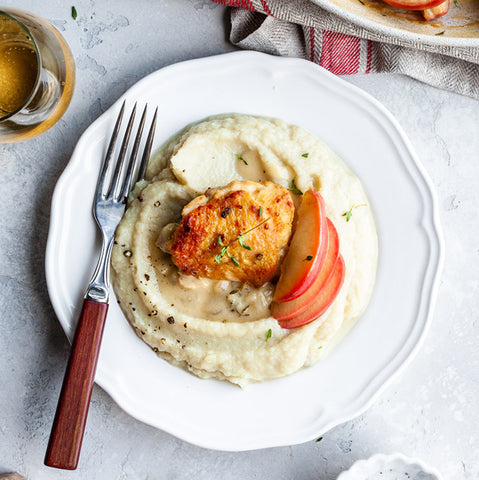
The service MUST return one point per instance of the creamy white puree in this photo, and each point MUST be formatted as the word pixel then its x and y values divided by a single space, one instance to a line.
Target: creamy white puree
pixel 219 329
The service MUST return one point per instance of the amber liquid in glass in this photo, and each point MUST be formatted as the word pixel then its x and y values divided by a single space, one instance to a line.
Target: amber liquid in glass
pixel 18 74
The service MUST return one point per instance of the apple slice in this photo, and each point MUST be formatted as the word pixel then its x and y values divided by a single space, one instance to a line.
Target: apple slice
pixel 414 4
pixel 307 251
pixel 287 310
pixel 435 12
pixel 323 301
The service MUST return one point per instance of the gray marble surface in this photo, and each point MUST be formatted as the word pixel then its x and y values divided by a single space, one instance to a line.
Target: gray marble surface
pixel 431 411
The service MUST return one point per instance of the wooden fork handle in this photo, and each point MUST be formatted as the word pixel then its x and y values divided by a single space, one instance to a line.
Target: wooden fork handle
pixel 67 432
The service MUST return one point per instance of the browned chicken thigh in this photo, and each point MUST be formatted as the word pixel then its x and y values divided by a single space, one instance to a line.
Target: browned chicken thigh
pixel 239 232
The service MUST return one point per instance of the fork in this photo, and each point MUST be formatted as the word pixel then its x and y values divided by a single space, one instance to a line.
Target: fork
pixel 111 195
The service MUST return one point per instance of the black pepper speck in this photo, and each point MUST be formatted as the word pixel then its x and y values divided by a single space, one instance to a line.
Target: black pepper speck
pixel 171 320
pixel 225 212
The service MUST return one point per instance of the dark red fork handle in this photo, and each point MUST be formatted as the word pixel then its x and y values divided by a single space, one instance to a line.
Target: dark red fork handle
pixel 67 432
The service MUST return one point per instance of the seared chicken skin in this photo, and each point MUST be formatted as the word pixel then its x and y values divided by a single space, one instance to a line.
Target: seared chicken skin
pixel 238 232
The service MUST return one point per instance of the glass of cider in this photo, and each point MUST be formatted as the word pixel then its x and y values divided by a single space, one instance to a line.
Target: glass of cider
pixel 37 75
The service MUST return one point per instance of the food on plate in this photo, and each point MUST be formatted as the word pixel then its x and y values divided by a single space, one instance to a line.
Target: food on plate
pixel 237 233
pixel 307 251
pixel 322 301
pixel 243 257
pixel 316 294
pixel 436 12
pixel 430 9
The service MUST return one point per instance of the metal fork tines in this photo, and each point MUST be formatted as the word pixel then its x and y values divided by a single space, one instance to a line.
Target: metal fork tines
pixel 114 184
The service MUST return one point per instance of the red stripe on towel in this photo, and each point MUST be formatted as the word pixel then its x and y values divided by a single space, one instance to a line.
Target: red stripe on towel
pixel 266 8
pixel 246 4
pixel 340 53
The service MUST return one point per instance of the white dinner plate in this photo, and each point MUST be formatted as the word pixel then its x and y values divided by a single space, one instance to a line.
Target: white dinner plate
pixel 302 406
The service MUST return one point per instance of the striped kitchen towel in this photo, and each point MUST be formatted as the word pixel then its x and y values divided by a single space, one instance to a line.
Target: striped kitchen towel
pixel 300 28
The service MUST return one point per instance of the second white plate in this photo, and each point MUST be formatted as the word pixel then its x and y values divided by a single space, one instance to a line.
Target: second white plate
pixel 303 406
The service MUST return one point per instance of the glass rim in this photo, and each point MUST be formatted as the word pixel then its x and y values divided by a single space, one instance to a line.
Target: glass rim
pixel 6 13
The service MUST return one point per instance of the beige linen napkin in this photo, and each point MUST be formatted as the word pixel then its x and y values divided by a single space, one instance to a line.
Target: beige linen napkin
pixel 300 28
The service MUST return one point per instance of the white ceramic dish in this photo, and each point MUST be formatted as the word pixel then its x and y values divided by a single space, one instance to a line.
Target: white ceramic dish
pixel 390 467
pixel 218 415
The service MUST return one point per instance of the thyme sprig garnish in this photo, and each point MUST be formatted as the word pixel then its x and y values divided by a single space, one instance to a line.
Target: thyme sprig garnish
pixel 294 189
pixel 268 334
pixel 349 213
pixel 74 13
pixel 240 240
pixel 305 155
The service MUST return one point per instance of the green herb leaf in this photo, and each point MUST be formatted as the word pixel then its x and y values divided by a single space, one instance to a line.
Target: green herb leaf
pixel 305 155
pixel 294 189
pixel 239 157
pixel 268 334
pixel 320 347
pixel 319 439
pixel 241 240
pixel 220 255
pixel 260 213
pixel 74 13
pixel 309 258
pixel 456 3
pixel 348 214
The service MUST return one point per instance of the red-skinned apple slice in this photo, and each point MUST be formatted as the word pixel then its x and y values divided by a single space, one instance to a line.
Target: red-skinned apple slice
pixel 414 4
pixel 323 301
pixel 435 12
pixel 307 251
pixel 287 310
